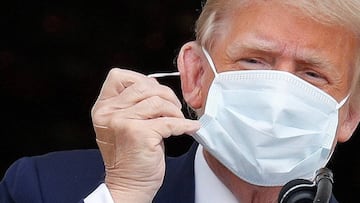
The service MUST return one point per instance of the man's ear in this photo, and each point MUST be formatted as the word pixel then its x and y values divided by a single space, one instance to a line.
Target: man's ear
pixel 350 123
pixel 191 70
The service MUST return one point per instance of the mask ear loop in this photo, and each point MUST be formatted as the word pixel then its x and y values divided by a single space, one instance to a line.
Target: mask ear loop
pixel 210 61
pixel 339 105
pixel 160 75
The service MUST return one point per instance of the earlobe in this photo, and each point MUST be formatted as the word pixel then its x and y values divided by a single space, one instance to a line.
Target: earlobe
pixel 348 127
pixel 191 71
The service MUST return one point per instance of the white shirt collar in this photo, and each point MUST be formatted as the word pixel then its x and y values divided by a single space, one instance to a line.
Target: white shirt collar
pixel 208 188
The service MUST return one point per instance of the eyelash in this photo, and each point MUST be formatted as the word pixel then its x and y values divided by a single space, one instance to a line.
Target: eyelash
pixel 249 63
pixel 314 77
pixel 306 74
pixel 252 60
pixel 313 74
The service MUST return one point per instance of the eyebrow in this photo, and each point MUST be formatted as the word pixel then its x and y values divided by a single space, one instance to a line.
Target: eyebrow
pixel 311 56
pixel 258 44
pixel 252 44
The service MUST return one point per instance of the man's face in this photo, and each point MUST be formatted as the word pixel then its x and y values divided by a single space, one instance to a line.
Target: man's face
pixel 271 36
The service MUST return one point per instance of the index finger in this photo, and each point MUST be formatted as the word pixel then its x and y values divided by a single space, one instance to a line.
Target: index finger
pixel 117 80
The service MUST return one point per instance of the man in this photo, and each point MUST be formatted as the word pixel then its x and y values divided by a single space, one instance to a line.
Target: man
pixel 275 84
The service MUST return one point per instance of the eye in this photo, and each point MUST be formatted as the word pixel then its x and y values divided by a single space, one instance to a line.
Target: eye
pixel 251 60
pixel 253 64
pixel 314 77
pixel 313 74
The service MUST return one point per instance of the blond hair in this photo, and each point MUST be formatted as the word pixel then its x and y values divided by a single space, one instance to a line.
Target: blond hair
pixel 345 13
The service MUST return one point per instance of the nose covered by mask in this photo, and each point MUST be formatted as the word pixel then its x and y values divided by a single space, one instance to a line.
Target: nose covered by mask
pixel 268 127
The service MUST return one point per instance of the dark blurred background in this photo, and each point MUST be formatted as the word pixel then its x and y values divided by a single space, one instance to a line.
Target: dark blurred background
pixel 54 56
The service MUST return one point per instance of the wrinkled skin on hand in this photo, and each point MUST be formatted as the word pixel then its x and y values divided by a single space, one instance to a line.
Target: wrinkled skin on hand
pixel 131 116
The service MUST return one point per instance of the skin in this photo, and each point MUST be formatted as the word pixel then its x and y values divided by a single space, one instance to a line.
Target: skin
pixel 263 36
pixel 131 116
pixel 257 39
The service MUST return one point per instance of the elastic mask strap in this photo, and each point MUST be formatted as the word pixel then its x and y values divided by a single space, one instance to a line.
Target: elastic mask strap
pixel 160 75
pixel 210 61
pixel 339 105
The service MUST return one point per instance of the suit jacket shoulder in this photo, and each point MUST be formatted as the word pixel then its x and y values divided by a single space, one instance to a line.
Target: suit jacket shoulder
pixel 65 176
pixel 70 176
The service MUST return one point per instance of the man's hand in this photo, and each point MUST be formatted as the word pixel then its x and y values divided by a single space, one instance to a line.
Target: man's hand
pixel 131 117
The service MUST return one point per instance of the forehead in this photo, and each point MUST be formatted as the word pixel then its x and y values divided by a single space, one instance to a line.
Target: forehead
pixel 266 18
pixel 274 27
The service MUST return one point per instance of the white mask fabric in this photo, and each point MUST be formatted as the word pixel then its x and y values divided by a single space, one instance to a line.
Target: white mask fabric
pixel 267 126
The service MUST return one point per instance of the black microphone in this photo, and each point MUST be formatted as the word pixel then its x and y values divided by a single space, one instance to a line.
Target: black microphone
pixel 324 181
pixel 305 191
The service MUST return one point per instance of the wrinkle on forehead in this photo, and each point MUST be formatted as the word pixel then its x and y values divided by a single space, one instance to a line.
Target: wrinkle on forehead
pixel 274 32
pixel 261 43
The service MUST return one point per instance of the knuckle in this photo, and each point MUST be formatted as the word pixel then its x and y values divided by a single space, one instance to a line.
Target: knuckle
pixel 113 72
pixel 168 125
pixel 145 86
pixel 167 89
pixel 155 102
pixel 140 88
pixel 103 113
pixel 98 116
pixel 95 112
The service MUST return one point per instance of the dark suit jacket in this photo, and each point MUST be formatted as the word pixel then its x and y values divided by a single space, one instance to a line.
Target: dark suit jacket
pixel 69 176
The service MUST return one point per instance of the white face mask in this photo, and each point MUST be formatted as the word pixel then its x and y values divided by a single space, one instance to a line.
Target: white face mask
pixel 268 127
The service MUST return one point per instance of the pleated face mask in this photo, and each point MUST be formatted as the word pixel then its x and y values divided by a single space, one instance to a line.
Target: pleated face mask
pixel 268 127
